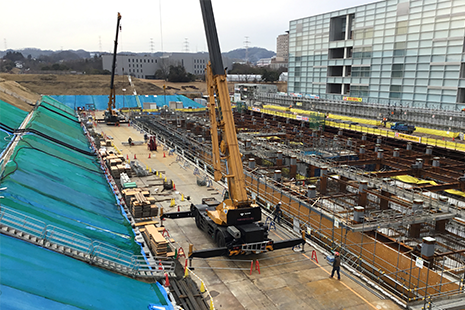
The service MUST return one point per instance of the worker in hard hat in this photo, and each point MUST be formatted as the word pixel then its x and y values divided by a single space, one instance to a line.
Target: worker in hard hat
pixel 277 212
pixel 336 266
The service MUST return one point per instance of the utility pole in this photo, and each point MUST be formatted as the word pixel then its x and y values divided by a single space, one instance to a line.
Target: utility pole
pixel 246 43
pixel 4 41
pixel 151 46
pixel 100 44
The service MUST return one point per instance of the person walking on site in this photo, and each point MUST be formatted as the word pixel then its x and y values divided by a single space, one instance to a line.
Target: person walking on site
pixel 277 212
pixel 336 265
pixel 130 141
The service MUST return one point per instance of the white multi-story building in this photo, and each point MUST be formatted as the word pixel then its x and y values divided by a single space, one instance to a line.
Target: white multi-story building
pixel 146 66
pixel 408 53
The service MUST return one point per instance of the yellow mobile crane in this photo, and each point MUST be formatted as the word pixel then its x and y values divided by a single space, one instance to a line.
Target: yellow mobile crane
pixel 233 223
pixel 111 117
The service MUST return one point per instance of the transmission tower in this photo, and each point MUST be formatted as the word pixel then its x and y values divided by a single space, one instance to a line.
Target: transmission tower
pixel 4 41
pixel 151 46
pixel 186 45
pixel 100 44
pixel 246 44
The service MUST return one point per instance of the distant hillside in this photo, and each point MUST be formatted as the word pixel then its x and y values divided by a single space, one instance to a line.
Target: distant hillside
pixel 254 54
pixel 59 55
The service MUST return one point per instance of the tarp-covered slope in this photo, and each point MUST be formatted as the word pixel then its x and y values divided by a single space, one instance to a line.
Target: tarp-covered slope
pixel 53 176
pixel 36 278
pixel 10 119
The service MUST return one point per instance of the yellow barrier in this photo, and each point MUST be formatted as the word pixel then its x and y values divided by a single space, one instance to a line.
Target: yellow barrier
pixel 412 180
pixel 375 131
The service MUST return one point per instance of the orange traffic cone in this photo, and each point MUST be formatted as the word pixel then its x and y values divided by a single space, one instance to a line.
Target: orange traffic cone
pixel 150 155
pixel 167 281
pixel 127 157
pixel 174 186
pixel 135 156
pixel 164 155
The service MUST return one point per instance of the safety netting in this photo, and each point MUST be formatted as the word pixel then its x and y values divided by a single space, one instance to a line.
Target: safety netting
pixel 53 176
pixel 36 278
pixel 100 102
pixel 10 117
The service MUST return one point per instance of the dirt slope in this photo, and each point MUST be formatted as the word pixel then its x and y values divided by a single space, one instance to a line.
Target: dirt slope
pixel 17 95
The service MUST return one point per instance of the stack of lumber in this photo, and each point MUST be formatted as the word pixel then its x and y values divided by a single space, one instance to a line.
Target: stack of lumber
pixel 155 240
pixel 140 203
pixel 115 163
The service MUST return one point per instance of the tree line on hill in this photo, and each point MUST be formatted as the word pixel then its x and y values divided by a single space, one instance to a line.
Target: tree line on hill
pixel 69 61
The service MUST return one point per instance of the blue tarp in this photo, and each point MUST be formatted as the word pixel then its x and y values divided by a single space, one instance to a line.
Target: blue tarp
pixel 36 278
pixel 101 101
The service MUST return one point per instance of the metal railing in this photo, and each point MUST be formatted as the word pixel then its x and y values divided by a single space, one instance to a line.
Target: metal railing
pixel 78 246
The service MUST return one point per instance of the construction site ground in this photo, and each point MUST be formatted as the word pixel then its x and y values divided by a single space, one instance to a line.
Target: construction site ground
pixel 287 279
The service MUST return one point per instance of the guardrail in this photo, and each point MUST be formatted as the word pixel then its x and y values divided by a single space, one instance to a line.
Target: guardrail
pixel 78 246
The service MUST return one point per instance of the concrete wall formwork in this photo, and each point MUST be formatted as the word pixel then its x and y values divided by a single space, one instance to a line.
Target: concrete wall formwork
pixel 384 262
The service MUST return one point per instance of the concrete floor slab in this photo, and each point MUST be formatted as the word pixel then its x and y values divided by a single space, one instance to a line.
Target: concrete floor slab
pixel 287 280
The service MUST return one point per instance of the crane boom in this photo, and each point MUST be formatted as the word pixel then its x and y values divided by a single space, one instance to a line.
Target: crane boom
pixel 234 223
pixel 110 116
pixel 222 120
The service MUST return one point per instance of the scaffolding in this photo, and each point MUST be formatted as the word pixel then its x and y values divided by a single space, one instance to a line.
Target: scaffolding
pixel 428 117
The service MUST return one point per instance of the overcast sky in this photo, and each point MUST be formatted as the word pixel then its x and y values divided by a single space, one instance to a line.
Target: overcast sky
pixel 91 25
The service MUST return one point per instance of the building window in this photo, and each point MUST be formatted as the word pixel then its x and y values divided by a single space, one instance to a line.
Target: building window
pixel 334 71
pixel 462 70
pixel 336 53
pixel 361 71
pixel 363 34
pixel 337 28
pixel 401 27
pixel 334 88
pixel 358 91
pixel 395 91
pixel 397 70
pixel 340 28
pixel 362 52
pixel 399 48
pixel 461 95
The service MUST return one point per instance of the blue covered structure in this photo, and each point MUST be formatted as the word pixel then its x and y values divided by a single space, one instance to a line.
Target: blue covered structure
pixel 53 177
pixel 100 102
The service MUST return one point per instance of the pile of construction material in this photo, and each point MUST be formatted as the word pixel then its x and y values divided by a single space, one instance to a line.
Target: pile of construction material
pixel 156 242
pixel 140 203
pixel 115 163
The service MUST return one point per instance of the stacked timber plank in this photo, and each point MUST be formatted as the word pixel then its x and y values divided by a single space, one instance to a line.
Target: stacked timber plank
pixel 115 163
pixel 155 240
pixel 140 203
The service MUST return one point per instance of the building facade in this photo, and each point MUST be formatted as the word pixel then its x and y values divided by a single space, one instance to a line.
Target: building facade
pixel 282 47
pixel 392 52
pixel 144 67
